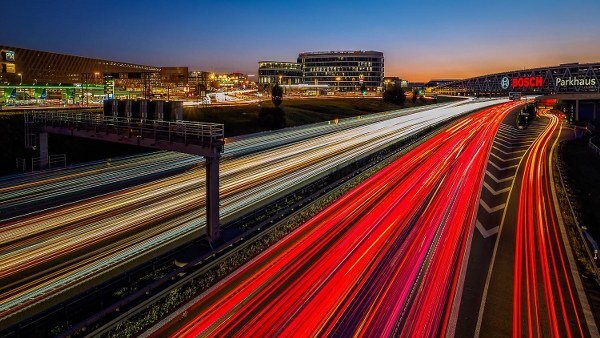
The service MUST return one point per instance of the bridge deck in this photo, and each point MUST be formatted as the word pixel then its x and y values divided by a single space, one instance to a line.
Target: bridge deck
pixel 199 138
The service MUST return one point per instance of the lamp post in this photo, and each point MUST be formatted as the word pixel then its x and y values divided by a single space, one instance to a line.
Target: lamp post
pixel 21 76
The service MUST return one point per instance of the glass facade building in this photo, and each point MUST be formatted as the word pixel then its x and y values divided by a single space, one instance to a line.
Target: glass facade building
pixel 29 66
pixel 285 73
pixel 346 71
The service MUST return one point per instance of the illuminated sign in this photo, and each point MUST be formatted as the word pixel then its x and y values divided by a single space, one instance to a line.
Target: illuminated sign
pixel 514 95
pixel 9 68
pixel 527 82
pixel 505 82
pixel 10 56
pixel 574 81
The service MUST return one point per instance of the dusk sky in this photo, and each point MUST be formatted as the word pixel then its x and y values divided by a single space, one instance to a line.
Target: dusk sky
pixel 420 40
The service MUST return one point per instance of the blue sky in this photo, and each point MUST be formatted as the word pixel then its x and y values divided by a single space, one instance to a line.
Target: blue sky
pixel 420 40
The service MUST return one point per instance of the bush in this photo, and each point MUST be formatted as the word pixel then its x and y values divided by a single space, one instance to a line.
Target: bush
pixel 277 95
pixel 394 94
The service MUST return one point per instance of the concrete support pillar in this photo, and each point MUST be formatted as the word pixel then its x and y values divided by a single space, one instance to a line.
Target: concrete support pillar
pixel 43 150
pixel 212 198
pixel 576 110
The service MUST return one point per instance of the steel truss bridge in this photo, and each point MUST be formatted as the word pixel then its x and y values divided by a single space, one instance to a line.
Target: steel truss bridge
pixel 565 78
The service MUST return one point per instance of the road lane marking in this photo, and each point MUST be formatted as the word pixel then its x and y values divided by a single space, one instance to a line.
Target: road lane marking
pixel 494 192
pixel 498 180
pixel 482 307
pixel 491 210
pixel 504 144
pixel 484 232
pixel 503 160
pixel 501 168
pixel 509 153
pixel 517 136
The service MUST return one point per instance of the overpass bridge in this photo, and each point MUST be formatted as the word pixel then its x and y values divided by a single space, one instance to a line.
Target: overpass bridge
pixel 197 138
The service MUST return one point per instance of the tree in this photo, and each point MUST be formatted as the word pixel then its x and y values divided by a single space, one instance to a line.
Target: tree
pixel 394 94
pixel 277 95
pixel 415 96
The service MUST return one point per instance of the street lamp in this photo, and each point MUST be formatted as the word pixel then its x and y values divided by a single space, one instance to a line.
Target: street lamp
pixel 338 83
pixel 21 75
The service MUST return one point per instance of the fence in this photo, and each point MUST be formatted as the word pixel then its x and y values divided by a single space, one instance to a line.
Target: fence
pixel 54 161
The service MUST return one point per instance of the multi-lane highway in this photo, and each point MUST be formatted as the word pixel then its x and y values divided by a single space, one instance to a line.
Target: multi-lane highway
pixel 384 260
pixel 46 253
pixel 532 287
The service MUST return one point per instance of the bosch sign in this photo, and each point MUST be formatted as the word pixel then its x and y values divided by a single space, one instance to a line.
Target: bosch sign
pixel 527 82
pixel 505 83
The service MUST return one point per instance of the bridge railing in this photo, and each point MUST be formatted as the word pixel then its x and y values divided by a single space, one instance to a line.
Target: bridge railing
pixel 174 131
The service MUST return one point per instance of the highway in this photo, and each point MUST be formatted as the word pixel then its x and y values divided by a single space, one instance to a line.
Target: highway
pixel 538 251
pixel 383 260
pixel 531 288
pixel 43 189
pixel 18 190
pixel 51 252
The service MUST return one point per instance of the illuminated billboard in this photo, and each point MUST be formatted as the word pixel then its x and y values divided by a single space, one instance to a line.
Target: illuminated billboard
pixel 8 68
pixel 9 56
pixel 527 82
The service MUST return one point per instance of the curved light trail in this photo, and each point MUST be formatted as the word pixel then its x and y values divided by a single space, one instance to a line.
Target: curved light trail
pixel 543 298
pixel 383 260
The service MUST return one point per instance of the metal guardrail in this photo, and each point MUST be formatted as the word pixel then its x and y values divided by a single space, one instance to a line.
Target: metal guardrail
pixel 583 235
pixel 174 131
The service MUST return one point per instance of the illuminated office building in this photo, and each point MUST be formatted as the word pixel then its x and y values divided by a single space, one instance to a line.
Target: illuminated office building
pixel 285 73
pixel 29 66
pixel 346 71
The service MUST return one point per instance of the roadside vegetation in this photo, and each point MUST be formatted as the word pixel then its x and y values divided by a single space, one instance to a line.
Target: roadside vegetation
pixel 579 169
pixel 582 170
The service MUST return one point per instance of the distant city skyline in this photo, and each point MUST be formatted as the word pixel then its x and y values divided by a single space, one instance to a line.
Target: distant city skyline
pixel 420 42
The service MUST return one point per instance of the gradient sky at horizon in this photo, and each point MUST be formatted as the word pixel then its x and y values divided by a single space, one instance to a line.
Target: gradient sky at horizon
pixel 420 40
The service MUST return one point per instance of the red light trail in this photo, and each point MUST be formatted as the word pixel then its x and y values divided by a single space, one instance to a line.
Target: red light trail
pixel 541 307
pixel 383 260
